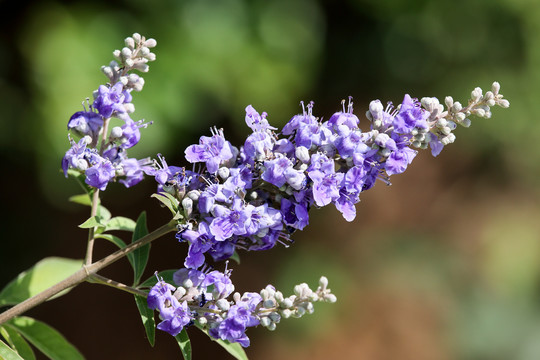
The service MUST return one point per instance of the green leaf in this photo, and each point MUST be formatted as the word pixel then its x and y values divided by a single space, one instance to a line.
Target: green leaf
pixel 167 276
pixel 94 221
pixel 103 213
pixel 168 200
pixel 140 256
pixel 235 349
pixel 147 317
pixel 82 199
pixel 41 276
pixel 184 343
pixel 46 339
pixel 18 343
pixel 235 257
pixel 7 353
pixel 120 223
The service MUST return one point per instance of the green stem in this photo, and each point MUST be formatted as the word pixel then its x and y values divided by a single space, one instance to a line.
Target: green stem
pixel 91 231
pixel 85 272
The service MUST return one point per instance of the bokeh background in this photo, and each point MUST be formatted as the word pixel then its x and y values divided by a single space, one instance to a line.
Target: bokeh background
pixel 444 264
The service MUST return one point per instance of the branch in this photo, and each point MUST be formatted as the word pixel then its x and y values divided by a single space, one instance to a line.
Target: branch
pixel 84 273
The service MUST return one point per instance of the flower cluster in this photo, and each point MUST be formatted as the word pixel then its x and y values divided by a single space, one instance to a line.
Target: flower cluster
pixel 101 154
pixel 257 195
pixel 201 297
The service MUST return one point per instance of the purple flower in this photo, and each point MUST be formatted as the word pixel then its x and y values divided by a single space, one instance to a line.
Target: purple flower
pixel 409 115
pixel 294 214
pixel 75 156
pixel 257 122
pixel 110 99
pixel 274 172
pixel 100 174
pixel 222 250
pixel 130 133
pixel 195 276
pixel 159 294
pixel 325 186
pixel 211 150
pixel 233 328
pixel 199 242
pixel 222 283
pixel 398 160
pixel 86 123
pixel 176 319
pixel 229 222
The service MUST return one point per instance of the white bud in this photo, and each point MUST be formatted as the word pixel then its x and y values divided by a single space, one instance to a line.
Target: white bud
pixel 187 283
pixel 265 321
pixel 136 37
pixel 504 103
pixel 331 298
pixel 465 123
pixel 479 112
pixel 130 43
pixel 286 313
pixel 129 62
pixel 107 70
pixel 269 303
pixel 237 297
pixel 271 327
pixel 202 320
pixel 194 195
pixel 446 130
pixel 151 56
pixel 187 204
pixel 490 102
pixel 309 308
pixel 278 296
pixel 457 107
pixel 460 116
pixel 476 94
pixel 116 132
pixel 323 282
pixel 179 292
pixel 302 154
pixel 224 173
pixel 117 54
pixel 150 43
pixel 495 87
pixel 129 107
pixel 442 123
pixel 223 304
pixel 126 53
pixel 144 51
pixel 287 303
pixel 449 101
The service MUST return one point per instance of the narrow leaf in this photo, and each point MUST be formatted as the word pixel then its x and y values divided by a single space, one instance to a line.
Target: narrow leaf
pixel 7 353
pixel 82 199
pixel 18 343
pixel 235 349
pixel 140 256
pixel 46 339
pixel 235 257
pixel 168 200
pixel 94 221
pixel 147 317
pixel 184 343
pixel 103 213
pixel 120 223
pixel 167 276
pixel 41 276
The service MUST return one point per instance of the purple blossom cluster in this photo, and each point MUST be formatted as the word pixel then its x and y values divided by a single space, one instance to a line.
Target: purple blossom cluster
pixel 102 155
pixel 257 195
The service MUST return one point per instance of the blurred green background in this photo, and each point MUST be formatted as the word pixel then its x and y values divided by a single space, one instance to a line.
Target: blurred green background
pixel 444 264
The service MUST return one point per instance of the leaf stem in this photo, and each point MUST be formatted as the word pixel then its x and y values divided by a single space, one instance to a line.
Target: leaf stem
pixel 85 273
pixel 92 231
pixel 98 279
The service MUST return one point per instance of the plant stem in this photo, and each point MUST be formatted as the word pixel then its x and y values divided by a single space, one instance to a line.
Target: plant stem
pixel 85 273
pixel 91 231
pixel 98 279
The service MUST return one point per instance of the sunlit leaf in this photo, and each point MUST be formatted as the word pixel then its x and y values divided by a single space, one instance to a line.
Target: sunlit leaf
pixel 41 276
pixel 94 221
pixel 18 343
pixel 147 317
pixel 184 343
pixel 46 339
pixel 140 256
pixel 120 223
pixel 7 353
